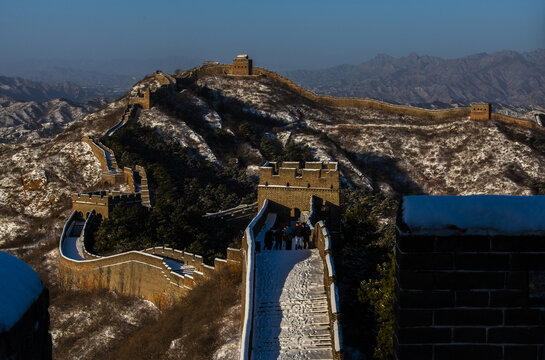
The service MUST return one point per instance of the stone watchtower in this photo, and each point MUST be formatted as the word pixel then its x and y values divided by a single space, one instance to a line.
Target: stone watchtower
pixel 142 98
pixel 290 188
pixel 242 65
pixel 480 111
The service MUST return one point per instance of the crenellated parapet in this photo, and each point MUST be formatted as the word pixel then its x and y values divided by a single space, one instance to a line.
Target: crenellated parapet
pixel 291 187
pixel 289 174
pixel 215 69
pixel 102 201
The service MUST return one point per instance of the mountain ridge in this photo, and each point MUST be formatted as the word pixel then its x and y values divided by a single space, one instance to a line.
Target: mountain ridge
pixel 23 89
pixel 505 77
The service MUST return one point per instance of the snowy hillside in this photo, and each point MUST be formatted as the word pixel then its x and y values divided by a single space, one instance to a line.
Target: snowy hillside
pixel 233 122
pixel 38 175
pixel 25 120
pixel 458 156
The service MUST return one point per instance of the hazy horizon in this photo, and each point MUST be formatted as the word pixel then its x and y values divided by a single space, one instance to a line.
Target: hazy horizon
pixel 133 37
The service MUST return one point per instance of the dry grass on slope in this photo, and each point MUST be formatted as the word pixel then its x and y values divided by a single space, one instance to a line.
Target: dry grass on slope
pixel 192 329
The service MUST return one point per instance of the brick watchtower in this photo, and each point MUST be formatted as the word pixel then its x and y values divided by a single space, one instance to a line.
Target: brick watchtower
pixel 242 65
pixel 291 187
pixel 480 111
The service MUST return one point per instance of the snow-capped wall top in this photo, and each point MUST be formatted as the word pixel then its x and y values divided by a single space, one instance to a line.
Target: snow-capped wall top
pixel 475 214
pixel 20 286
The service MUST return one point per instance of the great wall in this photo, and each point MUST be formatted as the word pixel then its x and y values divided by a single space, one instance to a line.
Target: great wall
pixel 286 193
pixel 213 68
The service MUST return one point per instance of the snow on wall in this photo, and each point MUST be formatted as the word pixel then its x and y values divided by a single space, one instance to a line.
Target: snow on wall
pixel 245 342
pixel 475 214
pixel 20 285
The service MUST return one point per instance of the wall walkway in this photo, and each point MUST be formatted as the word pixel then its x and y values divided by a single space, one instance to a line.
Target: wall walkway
pixel 290 300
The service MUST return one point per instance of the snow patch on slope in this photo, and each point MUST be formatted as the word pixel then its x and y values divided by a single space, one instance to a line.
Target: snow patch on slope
pixel 174 129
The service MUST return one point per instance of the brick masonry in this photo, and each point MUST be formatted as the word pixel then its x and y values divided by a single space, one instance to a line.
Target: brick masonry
pixel 470 297
pixel 290 186
pixel 480 111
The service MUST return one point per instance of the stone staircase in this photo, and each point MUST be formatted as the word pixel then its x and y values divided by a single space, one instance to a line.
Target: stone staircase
pixel 291 319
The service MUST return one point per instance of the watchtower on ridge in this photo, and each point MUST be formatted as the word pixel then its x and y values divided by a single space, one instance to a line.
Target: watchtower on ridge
pixel 480 111
pixel 290 188
pixel 242 65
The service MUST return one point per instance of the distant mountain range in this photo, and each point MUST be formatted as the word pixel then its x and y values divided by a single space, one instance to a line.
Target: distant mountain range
pixel 85 78
pixel 503 77
pixel 26 90
pixel 57 82
pixel 25 120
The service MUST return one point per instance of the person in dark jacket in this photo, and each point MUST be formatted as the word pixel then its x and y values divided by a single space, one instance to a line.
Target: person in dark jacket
pixel 269 239
pixel 287 238
pixel 299 232
pixel 278 239
pixel 306 235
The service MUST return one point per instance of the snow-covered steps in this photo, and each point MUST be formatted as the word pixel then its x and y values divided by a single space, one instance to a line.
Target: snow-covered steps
pixel 179 267
pixel 291 319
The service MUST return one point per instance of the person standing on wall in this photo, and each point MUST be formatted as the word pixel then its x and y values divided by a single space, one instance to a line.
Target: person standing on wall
pixel 306 236
pixel 287 238
pixel 298 236
pixel 269 239
pixel 278 239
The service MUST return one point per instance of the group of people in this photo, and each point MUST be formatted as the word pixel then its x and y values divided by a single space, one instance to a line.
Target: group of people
pixel 284 238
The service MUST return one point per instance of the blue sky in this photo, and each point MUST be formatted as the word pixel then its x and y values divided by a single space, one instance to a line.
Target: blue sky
pixel 122 36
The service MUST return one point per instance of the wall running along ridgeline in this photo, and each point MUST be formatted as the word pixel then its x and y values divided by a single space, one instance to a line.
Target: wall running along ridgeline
pixel 147 273
pixel 213 69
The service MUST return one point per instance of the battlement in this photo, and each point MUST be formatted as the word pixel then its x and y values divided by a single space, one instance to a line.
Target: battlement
pixel 102 201
pixel 290 174
pixel 480 111
pixel 291 187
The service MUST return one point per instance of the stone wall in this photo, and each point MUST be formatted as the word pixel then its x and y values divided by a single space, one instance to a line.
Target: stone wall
pixel 102 201
pixel 98 152
pixel 138 273
pixel 515 121
pixel 144 189
pixel 322 239
pixel 143 98
pixel 248 279
pixel 241 66
pixel 469 296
